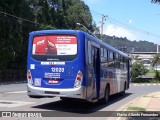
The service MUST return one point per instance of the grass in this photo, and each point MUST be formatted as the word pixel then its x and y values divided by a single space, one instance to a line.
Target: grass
pixel 151 73
pixel 146 82
pixel 136 108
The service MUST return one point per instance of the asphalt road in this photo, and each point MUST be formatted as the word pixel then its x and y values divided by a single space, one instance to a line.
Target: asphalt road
pixel 14 97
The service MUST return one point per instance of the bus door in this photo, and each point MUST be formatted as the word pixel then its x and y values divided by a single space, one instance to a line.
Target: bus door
pixel 96 72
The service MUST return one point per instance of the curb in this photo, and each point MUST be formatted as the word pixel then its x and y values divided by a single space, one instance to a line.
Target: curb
pixel 124 107
pixel 144 84
pixel 15 82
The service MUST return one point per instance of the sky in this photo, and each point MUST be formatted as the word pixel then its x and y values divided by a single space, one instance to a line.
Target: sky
pixel 134 19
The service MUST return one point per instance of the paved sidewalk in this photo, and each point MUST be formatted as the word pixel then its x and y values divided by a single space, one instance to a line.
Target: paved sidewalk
pixel 147 104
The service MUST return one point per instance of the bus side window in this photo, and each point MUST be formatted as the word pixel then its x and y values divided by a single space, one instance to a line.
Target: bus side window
pixel 125 63
pixel 105 56
pixel 102 52
pixel 121 60
pixel 111 59
pixel 117 61
pixel 105 53
pixel 111 55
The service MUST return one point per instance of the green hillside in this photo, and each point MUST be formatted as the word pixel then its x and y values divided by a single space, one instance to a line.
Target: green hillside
pixel 128 46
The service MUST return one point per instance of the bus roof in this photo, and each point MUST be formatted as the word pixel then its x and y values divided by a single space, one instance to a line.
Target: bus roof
pixel 97 40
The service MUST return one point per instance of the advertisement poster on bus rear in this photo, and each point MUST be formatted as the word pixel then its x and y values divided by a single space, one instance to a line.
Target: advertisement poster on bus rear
pixel 56 45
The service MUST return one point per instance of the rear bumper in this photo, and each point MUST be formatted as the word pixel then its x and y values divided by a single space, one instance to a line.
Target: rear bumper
pixel 79 93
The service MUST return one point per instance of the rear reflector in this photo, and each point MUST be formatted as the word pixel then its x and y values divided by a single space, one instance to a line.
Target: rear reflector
pixel 29 77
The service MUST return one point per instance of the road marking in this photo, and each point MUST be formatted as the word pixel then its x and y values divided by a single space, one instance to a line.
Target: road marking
pixel 154 84
pixel 17 92
pixel 134 84
pixel 9 103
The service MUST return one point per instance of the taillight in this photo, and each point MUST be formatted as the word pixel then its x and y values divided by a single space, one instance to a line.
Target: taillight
pixel 29 77
pixel 78 79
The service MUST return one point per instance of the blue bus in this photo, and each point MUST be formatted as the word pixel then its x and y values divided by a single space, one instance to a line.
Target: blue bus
pixel 74 64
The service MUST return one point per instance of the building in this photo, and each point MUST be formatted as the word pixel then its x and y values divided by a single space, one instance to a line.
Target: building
pixel 146 57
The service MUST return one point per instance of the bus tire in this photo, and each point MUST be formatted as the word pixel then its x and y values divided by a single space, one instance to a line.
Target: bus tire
pixel 64 98
pixel 106 95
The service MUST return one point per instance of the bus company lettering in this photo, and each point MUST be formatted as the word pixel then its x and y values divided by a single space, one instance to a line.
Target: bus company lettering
pixel 52 75
pixel 57 69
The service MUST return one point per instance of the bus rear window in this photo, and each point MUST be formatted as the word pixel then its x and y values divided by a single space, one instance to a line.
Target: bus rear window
pixel 56 45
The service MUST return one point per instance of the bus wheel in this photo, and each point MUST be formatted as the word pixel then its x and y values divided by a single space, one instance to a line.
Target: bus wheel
pixel 106 96
pixel 64 99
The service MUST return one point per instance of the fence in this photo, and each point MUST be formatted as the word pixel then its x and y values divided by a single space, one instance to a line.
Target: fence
pixel 11 76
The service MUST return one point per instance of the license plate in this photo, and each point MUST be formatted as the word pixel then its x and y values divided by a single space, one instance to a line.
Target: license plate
pixel 53 81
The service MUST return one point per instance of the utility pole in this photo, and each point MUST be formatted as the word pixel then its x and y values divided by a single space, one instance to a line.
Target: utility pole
pixel 102 23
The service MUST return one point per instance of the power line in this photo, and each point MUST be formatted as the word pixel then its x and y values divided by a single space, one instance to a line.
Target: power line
pixel 19 18
pixel 131 27
pixel 96 12
pixel 119 23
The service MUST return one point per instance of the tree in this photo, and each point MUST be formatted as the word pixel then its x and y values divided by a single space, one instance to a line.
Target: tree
pixel 137 70
pixel 39 14
pixel 155 1
pixel 61 14
pixel 77 12
pixel 14 33
pixel 19 17
pixel 155 63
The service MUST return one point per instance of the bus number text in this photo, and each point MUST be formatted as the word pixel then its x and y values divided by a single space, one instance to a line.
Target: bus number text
pixel 55 69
